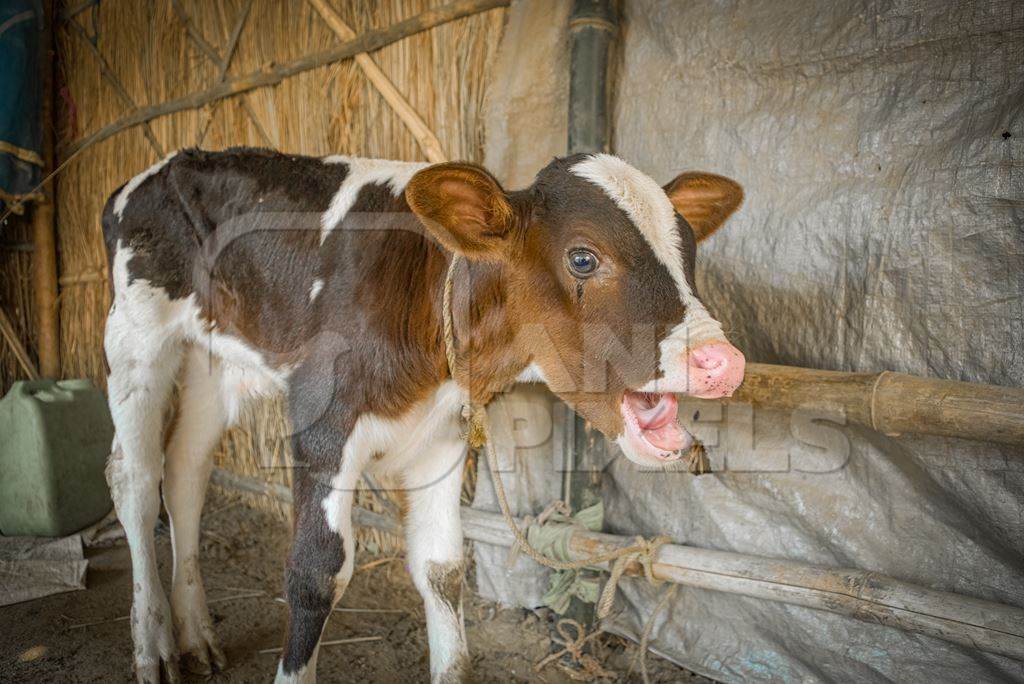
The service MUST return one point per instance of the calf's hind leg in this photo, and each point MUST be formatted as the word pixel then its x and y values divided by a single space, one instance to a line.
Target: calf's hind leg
pixel 200 421
pixel 143 364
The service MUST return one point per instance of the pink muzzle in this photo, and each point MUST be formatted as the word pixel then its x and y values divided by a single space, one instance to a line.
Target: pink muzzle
pixel 714 370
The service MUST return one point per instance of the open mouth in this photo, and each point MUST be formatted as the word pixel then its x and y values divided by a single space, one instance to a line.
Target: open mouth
pixel 652 428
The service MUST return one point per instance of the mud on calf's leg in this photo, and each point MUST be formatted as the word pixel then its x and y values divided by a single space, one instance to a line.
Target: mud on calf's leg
pixel 434 537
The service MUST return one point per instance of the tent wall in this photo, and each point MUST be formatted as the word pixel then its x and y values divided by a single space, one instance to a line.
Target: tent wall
pixel 879 144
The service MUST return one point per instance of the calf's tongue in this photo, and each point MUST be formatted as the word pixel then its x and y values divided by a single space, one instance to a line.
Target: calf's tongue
pixel 656 417
pixel 652 411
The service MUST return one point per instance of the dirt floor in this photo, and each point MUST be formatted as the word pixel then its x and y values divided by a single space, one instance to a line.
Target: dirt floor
pixel 83 636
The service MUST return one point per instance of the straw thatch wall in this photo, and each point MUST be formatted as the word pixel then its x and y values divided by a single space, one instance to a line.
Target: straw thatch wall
pixel 15 294
pixel 442 72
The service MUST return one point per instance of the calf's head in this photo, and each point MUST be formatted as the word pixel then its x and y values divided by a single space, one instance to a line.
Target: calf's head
pixel 597 272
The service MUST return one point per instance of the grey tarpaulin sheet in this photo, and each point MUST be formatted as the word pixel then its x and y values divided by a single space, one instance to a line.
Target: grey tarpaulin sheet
pixel 880 144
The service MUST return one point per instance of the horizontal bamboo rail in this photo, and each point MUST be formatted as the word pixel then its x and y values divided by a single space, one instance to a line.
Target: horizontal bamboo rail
pixel 275 73
pixel 892 403
pixel 867 596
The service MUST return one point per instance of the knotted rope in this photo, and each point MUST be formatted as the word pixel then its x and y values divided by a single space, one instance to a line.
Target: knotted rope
pixel 643 551
pixel 573 647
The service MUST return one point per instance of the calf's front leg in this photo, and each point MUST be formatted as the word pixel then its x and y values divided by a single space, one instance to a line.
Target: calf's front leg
pixel 434 538
pixel 323 547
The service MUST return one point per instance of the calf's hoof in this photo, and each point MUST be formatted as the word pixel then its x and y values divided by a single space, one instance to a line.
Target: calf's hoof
pixel 149 672
pixel 155 650
pixel 200 653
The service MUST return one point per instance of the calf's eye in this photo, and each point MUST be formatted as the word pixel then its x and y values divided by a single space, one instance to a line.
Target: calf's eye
pixel 582 262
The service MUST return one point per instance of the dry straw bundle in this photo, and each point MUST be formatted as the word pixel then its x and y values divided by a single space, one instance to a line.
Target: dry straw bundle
pixel 442 72
pixel 15 293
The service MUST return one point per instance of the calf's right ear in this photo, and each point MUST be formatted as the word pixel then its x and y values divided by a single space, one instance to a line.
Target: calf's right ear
pixel 464 207
pixel 705 200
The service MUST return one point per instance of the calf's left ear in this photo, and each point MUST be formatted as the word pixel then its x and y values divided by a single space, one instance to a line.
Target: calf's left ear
pixel 464 207
pixel 705 200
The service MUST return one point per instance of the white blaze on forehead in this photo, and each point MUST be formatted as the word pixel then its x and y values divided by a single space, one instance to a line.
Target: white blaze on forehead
pixel 647 206
pixel 363 172
pixel 650 210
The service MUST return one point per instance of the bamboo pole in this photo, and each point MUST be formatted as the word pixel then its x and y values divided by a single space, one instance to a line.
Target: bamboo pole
pixel 273 74
pixel 593 25
pixel 867 596
pixel 44 235
pixel 892 403
pixel 426 139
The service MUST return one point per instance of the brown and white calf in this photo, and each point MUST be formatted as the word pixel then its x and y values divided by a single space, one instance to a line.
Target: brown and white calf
pixel 249 272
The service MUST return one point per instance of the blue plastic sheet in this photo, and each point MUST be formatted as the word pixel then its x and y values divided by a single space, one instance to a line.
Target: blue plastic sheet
pixel 21 164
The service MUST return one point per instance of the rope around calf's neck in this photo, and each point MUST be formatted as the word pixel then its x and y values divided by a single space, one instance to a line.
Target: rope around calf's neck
pixel 479 436
pixel 643 551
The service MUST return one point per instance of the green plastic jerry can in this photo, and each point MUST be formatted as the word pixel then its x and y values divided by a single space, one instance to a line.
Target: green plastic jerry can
pixel 54 441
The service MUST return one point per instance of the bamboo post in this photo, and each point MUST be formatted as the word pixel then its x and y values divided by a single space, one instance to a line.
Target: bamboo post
pixel 970 622
pixel 592 29
pixel 426 139
pixel 44 238
pixel 892 403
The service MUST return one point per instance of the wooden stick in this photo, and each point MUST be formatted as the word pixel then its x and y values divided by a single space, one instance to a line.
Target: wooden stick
pixel 426 139
pixel 44 230
pixel 224 599
pixel 892 403
pixel 335 642
pixel 98 622
pixel 971 622
pixel 368 42
pixel 377 563
pixel 8 332
pixel 111 77
pixel 355 610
